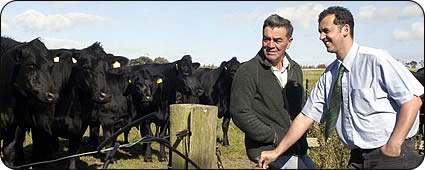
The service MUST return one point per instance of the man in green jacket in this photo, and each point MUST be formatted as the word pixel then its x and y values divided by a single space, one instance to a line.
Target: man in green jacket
pixel 266 93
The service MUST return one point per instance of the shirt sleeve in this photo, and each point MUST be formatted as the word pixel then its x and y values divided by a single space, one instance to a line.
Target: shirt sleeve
pixel 315 103
pixel 398 81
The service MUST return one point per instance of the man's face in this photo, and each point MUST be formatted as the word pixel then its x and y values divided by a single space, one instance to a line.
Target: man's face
pixel 275 43
pixel 331 34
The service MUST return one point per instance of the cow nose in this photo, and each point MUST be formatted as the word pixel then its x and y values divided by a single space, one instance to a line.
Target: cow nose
pixel 200 92
pixel 50 96
pixel 104 97
pixel 148 98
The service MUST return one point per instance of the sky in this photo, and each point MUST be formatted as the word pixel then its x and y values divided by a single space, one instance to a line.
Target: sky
pixel 209 31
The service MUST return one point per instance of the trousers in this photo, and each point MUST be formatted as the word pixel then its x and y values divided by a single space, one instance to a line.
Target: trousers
pixel 375 159
pixel 293 162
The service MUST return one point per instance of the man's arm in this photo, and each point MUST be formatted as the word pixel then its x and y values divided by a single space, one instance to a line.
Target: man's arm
pixel 400 84
pixel 298 127
pixel 241 100
pixel 408 113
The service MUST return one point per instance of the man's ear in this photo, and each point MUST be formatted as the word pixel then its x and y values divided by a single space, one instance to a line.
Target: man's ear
pixel 289 42
pixel 346 30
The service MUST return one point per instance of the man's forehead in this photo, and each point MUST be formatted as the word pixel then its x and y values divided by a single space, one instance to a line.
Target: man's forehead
pixel 328 20
pixel 274 30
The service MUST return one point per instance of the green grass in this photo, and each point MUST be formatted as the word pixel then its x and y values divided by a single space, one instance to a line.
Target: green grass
pixel 331 154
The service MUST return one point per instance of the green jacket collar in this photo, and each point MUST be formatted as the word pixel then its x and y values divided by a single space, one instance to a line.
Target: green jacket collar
pixel 263 60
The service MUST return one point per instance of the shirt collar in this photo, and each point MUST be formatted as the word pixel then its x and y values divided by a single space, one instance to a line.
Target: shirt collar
pixel 348 60
pixel 286 65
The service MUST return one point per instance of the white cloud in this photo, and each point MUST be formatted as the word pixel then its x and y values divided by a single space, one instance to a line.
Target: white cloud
pixel 371 12
pixel 35 21
pixel 5 24
pixel 238 18
pixel 416 32
pixel 304 15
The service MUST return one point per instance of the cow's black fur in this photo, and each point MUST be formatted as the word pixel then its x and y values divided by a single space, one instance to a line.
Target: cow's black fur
pixel 26 92
pixel 217 84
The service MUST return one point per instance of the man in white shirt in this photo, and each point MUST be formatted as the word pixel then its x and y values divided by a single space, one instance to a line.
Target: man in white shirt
pixel 369 98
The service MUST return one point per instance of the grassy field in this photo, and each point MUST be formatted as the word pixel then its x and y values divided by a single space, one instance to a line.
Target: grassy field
pixel 331 154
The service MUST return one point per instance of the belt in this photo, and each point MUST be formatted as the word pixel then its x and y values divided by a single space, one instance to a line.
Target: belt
pixel 370 150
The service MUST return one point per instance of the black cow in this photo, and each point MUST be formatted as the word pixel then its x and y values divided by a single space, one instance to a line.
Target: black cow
pixel 419 75
pixel 176 81
pixel 217 84
pixel 146 91
pixel 7 118
pixel 84 87
pixel 117 113
pixel 26 94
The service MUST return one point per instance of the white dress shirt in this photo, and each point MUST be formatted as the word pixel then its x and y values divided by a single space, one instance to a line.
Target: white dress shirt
pixel 282 75
pixel 374 87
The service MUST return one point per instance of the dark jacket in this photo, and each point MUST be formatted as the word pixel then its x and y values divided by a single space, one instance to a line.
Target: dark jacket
pixel 260 107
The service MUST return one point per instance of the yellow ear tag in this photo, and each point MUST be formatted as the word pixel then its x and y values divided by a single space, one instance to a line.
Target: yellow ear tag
pixel 159 81
pixel 129 81
pixel 74 60
pixel 56 59
pixel 177 66
pixel 116 64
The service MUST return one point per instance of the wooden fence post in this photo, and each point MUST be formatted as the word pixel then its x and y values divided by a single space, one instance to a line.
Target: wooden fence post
pixel 201 121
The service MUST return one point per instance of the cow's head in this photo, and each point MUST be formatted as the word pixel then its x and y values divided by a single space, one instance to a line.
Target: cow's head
pixel 184 81
pixel 185 67
pixel 92 63
pixel 62 67
pixel 419 75
pixel 31 75
pixel 142 86
pixel 230 67
pixel 192 87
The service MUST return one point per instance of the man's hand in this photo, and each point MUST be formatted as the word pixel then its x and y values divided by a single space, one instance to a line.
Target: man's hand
pixel 391 150
pixel 266 158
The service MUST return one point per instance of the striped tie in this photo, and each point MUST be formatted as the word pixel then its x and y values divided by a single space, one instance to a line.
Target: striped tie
pixel 335 106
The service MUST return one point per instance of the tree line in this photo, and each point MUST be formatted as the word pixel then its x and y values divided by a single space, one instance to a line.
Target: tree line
pixel 147 60
pixel 162 60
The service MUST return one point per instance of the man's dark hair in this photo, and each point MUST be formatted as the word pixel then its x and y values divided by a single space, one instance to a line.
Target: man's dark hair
pixel 342 16
pixel 275 20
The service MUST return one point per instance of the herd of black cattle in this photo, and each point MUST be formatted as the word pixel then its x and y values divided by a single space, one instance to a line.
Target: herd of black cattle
pixel 61 92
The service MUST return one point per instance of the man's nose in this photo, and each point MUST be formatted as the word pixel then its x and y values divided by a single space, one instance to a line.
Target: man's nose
pixel 322 36
pixel 271 44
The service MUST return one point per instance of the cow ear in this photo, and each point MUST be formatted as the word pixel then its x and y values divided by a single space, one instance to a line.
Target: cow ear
pixel 117 61
pixel 56 59
pixel 116 64
pixel 159 79
pixel 223 64
pixel 128 89
pixel 130 85
pixel 75 57
pixel 37 43
pixel 122 60
pixel 196 65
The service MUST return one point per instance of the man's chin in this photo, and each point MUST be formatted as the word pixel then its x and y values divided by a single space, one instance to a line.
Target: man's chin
pixel 273 55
